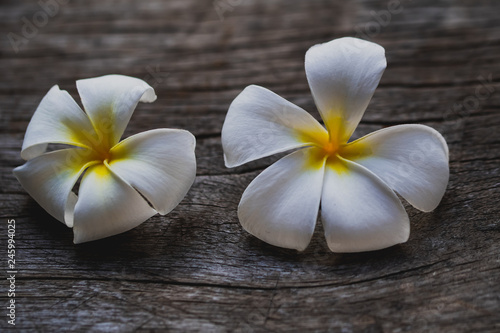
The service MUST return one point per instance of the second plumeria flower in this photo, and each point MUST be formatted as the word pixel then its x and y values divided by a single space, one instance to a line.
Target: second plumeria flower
pixel 123 183
pixel 355 182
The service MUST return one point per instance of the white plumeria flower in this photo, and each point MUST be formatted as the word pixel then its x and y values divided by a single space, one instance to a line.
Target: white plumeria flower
pixel 118 177
pixel 354 181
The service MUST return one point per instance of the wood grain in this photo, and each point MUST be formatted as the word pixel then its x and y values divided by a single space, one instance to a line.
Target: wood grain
pixel 196 269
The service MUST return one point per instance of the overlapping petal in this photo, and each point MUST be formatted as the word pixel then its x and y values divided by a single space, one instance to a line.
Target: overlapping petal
pixel 49 179
pixel 260 123
pixel 107 206
pixel 280 206
pixel 359 211
pixel 343 75
pixel 58 119
pixel 110 101
pixel 411 159
pixel 160 164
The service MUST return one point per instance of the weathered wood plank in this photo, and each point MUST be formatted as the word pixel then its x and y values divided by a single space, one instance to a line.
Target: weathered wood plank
pixel 196 269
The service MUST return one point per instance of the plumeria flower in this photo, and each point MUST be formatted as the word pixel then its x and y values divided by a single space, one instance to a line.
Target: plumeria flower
pixel 123 183
pixel 355 182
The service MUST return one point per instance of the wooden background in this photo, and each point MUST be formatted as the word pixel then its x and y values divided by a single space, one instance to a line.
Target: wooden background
pixel 196 269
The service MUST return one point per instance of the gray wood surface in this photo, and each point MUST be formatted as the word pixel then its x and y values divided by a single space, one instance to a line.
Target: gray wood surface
pixel 196 269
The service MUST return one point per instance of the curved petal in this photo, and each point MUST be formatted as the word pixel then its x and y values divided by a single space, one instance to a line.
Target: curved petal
pixel 411 159
pixel 107 206
pixel 280 206
pixel 359 212
pixel 260 123
pixel 49 179
pixel 110 101
pixel 343 75
pixel 160 164
pixel 58 119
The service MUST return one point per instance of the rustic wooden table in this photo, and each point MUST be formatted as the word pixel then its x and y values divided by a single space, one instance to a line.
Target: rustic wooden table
pixel 196 269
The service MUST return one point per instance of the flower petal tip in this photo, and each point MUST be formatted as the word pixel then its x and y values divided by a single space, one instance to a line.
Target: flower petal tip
pixel 228 164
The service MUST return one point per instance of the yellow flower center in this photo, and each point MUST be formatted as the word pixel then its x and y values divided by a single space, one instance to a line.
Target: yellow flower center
pixel 99 142
pixel 105 156
pixel 331 147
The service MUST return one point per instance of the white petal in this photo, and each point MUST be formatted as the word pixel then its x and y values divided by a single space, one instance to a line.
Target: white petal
pixel 359 212
pixel 343 75
pixel 159 163
pixel 411 159
pixel 49 179
pixel 107 206
pixel 110 101
pixel 58 119
pixel 280 206
pixel 260 123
